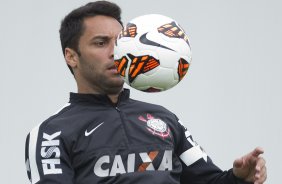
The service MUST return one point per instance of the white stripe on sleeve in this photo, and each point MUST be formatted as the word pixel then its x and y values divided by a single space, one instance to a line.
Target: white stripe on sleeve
pixel 35 177
pixel 192 155
pixel 67 104
pixel 32 155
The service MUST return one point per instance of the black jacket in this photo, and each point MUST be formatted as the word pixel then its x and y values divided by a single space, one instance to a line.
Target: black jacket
pixel 91 140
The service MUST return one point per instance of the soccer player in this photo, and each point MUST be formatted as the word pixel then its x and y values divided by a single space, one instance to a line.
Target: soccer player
pixel 104 136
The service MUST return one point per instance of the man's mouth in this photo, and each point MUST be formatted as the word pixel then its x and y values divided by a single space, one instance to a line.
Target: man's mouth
pixel 113 69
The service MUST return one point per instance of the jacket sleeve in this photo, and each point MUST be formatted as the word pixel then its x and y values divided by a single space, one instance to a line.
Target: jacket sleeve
pixel 198 167
pixel 46 157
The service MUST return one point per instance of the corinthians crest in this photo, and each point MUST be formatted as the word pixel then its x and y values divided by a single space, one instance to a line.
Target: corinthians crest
pixel 156 126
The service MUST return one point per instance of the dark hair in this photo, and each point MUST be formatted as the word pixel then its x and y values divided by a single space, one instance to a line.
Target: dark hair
pixel 72 25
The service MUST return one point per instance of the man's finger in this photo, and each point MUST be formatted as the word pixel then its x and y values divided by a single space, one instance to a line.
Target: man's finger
pixel 261 176
pixel 257 151
pixel 260 170
pixel 260 163
pixel 238 163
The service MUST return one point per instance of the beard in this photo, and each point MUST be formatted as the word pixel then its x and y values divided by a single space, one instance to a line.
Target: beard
pixel 100 79
pixel 110 86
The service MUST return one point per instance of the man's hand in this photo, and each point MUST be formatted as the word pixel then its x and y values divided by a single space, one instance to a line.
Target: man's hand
pixel 251 167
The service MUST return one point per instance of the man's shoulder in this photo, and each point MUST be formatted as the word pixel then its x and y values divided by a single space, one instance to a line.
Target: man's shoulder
pixel 56 121
pixel 148 106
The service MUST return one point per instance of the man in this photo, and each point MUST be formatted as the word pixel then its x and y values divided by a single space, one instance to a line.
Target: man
pixel 103 136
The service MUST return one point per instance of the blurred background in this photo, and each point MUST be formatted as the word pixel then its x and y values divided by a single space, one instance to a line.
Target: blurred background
pixel 230 100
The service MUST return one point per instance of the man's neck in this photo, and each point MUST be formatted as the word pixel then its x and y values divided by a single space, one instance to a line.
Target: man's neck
pixel 112 97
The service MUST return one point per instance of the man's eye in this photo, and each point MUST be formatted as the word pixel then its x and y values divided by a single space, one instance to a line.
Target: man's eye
pixel 100 43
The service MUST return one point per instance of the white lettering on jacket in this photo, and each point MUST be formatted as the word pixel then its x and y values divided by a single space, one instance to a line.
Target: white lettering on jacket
pixel 106 167
pixel 50 154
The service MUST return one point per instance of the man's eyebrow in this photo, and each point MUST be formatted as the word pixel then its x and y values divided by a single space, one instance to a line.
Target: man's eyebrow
pixel 100 37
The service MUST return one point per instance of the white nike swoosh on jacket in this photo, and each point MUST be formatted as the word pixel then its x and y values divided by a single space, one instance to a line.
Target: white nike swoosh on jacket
pixel 88 133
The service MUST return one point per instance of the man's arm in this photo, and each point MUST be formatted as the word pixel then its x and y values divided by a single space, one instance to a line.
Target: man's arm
pixel 199 168
pixel 46 157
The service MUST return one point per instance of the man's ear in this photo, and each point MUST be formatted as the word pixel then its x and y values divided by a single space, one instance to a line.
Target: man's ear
pixel 71 57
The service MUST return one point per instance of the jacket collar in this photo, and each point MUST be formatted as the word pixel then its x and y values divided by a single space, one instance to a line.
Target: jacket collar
pixel 98 98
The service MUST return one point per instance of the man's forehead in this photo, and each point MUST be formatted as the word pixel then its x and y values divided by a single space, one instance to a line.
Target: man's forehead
pixel 102 26
pixel 100 22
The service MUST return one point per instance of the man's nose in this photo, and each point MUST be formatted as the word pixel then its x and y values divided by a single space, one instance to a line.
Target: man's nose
pixel 112 46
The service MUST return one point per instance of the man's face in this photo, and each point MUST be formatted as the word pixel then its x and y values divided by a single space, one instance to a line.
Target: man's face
pixel 96 69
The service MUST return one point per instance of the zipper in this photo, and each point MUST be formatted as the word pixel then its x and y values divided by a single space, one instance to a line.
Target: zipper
pixel 123 122
pixel 116 107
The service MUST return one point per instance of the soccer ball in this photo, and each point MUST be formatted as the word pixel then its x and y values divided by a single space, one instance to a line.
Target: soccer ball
pixel 152 53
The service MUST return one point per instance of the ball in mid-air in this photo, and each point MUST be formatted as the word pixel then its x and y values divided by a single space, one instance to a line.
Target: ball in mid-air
pixel 152 53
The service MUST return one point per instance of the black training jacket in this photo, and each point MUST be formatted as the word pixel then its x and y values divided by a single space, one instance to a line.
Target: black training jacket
pixel 91 140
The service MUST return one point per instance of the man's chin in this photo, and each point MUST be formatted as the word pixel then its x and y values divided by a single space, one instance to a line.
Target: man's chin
pixel 116 88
